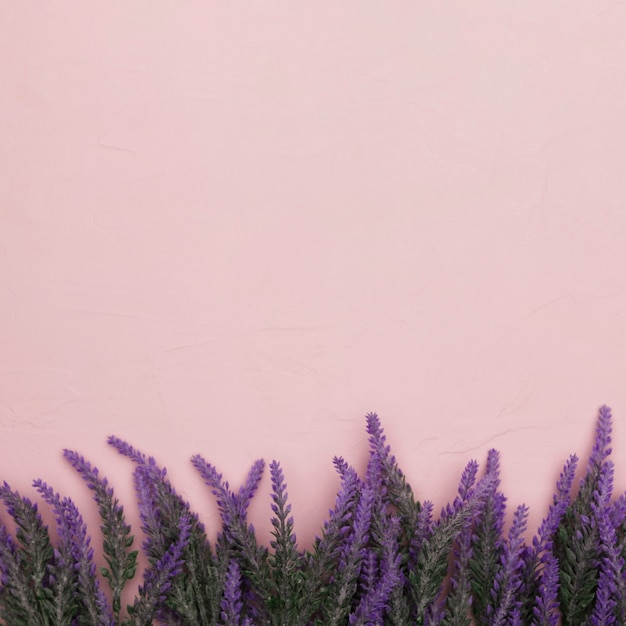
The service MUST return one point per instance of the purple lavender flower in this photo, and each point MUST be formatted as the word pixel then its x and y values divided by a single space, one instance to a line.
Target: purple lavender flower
pixel 283 522
pixel 423 531
pixel 465 490
pixel 116 532
pixel 516 617
pixel 394 487
pixel 248 489
pixel 351 558
pixel 600 452
pixel 341 466
pixel 543 541
pixel 75 544
pixel 158 578
pixel 16 589
pixel 468 480
pixel 150 512
pixel 286 562
pixel 27 566
pixel 127 450
pixel 545 611
pixel 233 507
pixel 611 586
pixel 373 603
pixel 508 581
pixel 237 538
pixel 161 511
pixel 231 604
pixel 601 449
pixel 459 599
pixel 369 571
pixel 487 541
pixel 328 547
pixel 577 543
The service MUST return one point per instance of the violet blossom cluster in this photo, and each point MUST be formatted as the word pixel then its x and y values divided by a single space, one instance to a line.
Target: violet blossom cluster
pixel 383 556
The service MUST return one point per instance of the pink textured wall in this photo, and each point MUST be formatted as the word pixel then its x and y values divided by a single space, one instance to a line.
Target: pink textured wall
pixel 235 230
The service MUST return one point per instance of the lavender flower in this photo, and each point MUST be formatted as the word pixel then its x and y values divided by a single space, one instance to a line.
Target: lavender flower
pixel 426 579
pixel 397 491
pixel 382 557
pixel 459 600
pixel 344 583
pixel 427 576
pixel 543 541
pixel 487 542
pixel 231 604
pixel 116 532
pixel 248 489
pixel 233 507
pixel 327 549
pixel 577 543
pixel 546 604
pixel 287 563
pixel 508 580
pixel 423 531
pixel 611 587
pixel 18 600
pixel 600 452
pixel 237 539
pixel 127 450
pixel 468 480
pixel 373 603
pixel 161 510
pixel 158 579
pixel 27 563
pixel 74 545
pixel 341 466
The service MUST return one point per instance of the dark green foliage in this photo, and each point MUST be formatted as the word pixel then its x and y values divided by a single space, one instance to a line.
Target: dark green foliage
pixel 577 553
pixel 576 542
pixel 26 595
pixel 382 557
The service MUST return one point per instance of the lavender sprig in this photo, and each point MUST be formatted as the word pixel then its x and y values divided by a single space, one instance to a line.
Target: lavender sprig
pixel 286 562
pixel 382 557
pixel 535 588
pixel 397 490
pixel 18 602
pixel 27 563
pixel 231 604
pixel 609 605
pixel 374 603
pixel 327 549
pixel 545 609
pixel 76 552
pixel 459 600
pixel 158 579
pixel 122 563
pixel 237 538
pixel 508 579
pixel 232 506
pixel 427 579
pixel 192 595
pixel 487 543
pixel 542 543
pixel 345 581
pixel 577 541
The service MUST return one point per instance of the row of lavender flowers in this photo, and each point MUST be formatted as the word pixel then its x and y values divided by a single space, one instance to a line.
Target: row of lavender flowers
pixel 382 557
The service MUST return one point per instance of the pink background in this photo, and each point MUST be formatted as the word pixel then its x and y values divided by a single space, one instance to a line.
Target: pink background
pixel 234 230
